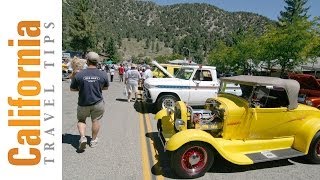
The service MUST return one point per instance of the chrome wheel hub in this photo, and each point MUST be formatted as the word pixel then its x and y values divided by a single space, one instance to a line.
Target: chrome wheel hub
pixel 168 103
pixel 194 159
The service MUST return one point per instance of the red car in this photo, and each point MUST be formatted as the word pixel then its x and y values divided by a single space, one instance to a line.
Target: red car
pixel 309 89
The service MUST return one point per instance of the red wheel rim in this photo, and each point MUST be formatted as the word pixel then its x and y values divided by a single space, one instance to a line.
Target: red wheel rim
pixel 194 160
pixel 318 148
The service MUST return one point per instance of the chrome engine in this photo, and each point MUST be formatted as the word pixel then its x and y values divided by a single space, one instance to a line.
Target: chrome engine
pixel 209 119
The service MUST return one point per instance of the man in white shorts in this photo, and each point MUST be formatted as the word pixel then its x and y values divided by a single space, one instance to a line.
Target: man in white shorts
pixel 132 78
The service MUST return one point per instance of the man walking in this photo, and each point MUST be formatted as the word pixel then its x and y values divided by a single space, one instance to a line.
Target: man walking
pixel 147 73
pixel 121 72
pixel 90 82
pixel 132 81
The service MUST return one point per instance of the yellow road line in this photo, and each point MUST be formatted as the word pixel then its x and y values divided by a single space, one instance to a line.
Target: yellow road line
pixel 149 128
pixel 145 157
pixel 144 152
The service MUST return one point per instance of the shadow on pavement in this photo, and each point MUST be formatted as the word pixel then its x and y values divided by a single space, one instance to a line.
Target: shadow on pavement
pixel 74 141
pixel 162 167
pixel 220 165
pixel 122 99
pixel 143 107
pixel 301 160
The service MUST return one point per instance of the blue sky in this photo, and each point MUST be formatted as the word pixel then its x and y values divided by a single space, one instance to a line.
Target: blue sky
pixel 268 8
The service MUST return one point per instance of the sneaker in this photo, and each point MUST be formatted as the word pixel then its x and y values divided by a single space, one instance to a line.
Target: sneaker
pixel 82 143
pixel 94 143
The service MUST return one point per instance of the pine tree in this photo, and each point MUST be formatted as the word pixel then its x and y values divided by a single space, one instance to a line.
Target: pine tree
pixel 119 41
pixel 112 50
pixel 295 9
pixel 82 27
pixel 157 47
pixel 147 43
pixel 152 46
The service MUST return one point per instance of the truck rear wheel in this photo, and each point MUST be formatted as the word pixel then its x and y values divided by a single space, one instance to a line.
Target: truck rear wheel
pixel 166 101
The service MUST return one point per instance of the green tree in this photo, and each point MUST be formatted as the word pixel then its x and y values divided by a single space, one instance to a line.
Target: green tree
pixel 82 27
pixel 119 41
pixel 147 43
pixel 295 9
pixel 167 58
pixel 244 50
pixel 112 50
pixel 152 46
pixel 220 57
pixel 285 45
pixel 157 47
pixel 312 49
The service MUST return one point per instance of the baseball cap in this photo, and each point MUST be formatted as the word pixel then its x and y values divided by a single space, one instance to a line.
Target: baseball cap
pixel 93 57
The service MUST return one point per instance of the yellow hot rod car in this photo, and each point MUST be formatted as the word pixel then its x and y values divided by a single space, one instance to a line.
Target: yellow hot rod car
pixel 263 123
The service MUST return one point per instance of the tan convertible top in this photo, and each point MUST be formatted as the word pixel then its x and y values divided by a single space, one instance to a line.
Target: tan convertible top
pixel 292 87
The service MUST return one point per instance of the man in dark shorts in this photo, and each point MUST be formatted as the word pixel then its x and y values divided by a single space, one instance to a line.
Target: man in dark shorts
pixel 89 82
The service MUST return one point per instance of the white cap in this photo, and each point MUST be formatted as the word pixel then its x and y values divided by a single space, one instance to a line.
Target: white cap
pixel 93 56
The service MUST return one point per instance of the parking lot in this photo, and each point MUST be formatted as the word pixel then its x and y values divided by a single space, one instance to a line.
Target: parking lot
pixel 129 147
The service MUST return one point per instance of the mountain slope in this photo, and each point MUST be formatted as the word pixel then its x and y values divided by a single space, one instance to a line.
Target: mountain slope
pixel 195 26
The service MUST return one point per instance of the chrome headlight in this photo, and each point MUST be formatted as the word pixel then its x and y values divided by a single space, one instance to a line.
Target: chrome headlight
pixel 179 124
pixel 170 111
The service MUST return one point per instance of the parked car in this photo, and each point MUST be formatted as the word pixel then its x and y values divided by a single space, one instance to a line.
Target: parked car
pixel 192 84
pixel 309 89
pixel 263 123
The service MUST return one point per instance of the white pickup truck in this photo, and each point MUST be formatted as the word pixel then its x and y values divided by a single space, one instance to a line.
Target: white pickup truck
pixel 192 84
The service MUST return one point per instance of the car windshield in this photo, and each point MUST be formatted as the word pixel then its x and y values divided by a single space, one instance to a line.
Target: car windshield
pixel 259 95
pixel 184 73
pixel 232 88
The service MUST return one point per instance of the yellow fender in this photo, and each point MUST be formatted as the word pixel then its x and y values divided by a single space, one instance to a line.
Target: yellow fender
pixel 186 136
pixel 161 114
pixel 305 135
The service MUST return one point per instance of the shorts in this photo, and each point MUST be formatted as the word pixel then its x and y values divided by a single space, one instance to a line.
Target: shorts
pixel 132 88
pixel 95 111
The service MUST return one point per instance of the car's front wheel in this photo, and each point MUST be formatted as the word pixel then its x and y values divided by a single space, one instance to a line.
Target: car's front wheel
pixel 192 160
pixel 314 149
pixel 166 101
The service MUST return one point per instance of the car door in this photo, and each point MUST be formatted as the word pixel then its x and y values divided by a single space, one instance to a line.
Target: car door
pixel 203 86
pixel 271 117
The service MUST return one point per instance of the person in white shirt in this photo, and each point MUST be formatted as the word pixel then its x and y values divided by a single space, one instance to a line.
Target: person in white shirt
pixel 147 73
pixel 111 74
pixel 132 78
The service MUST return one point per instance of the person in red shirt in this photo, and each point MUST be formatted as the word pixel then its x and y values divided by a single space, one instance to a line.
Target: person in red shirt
pixel 121 72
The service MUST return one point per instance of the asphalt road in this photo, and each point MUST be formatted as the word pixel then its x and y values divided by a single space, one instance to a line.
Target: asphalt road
pixel 129 148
